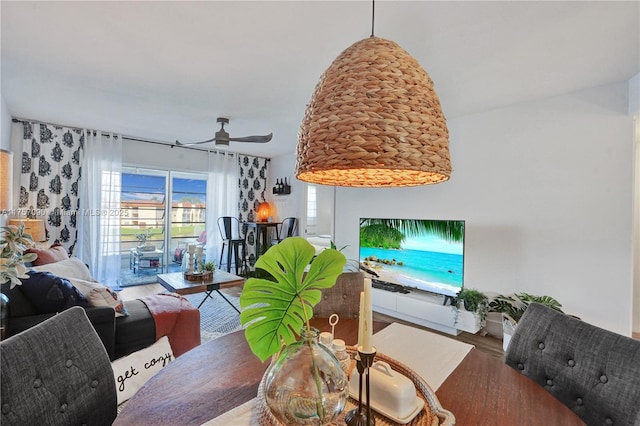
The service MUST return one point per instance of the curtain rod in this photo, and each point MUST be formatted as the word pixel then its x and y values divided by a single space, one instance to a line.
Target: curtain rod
pixel 131 138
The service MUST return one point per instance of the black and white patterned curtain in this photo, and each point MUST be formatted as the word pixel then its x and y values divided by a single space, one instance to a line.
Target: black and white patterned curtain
pixel 49 180
pixel 253 191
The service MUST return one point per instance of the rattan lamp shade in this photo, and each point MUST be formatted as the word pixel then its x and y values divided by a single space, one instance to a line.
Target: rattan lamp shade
pixel 374 120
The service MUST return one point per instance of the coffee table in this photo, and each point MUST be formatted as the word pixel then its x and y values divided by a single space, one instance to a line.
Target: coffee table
pixel 175 283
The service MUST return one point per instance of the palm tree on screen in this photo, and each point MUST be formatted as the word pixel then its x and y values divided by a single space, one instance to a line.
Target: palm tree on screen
pixel 398 229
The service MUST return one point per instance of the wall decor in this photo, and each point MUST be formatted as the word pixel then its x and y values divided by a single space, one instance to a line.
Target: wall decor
pixel 281 187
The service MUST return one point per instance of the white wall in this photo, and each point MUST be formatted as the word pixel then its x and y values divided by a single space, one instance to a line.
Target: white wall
pixel 5 138
pixel 163 157
pixel 291 205
pixel 545 189
pixel 5 125
pixel 634 111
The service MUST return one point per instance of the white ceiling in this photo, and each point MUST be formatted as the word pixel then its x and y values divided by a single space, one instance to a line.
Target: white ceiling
pixel 165 70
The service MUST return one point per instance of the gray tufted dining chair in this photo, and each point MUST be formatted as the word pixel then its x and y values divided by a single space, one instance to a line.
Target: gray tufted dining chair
pixel 594 372
pixel 343 298
pixel 57 373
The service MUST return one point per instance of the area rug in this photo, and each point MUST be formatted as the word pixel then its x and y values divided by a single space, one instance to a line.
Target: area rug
pixel 217 317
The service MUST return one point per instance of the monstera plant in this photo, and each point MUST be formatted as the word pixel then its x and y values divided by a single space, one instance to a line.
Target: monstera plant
pixel 305 383
pixel 274 309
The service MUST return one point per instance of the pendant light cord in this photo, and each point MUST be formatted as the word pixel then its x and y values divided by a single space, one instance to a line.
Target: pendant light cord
pixel 373 15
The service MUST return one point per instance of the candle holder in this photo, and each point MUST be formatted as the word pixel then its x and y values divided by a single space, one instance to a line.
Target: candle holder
pixel 362 416
pixel 191 262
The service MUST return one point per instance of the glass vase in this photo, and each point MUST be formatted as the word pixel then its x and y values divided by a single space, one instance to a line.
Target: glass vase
pixel 305 384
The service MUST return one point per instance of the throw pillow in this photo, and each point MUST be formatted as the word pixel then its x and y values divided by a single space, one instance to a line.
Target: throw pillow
pixel 133 371
pixel 68 268
pixel 53 254
pixel 100 295
pixel 49 293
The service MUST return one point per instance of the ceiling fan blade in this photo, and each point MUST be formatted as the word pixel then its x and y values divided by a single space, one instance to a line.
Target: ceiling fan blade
pixel 256 139
pixel 178 143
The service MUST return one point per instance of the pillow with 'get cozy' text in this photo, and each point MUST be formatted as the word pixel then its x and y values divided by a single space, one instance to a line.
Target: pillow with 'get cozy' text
pixel 133 371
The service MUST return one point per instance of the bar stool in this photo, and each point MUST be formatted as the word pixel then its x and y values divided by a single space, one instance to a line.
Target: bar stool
pixel 286 230
pixel 233 240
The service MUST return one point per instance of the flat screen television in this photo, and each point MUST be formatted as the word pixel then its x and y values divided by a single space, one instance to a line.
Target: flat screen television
pixel 421 254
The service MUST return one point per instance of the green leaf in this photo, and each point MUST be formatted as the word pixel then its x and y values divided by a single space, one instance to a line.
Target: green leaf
pixel 275 310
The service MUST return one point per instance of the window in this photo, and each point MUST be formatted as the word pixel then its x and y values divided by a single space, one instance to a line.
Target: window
pixel 312 212
pixel 143 197
pixel 188 212
pixel 167 207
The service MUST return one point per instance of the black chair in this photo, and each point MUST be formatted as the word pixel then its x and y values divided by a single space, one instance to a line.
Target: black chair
pixel 234 239
pixel 57 373
pixel 594 372
pixel 287 229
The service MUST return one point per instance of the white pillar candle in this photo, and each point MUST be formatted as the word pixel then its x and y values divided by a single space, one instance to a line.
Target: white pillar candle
pixel 368 318
pixel 192 249
pixel 361 319
pixel 200 253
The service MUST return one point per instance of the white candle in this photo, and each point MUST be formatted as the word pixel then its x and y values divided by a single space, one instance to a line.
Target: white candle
pixel 192 248
pixel 361 319
pixel 200 253
pixel 368 318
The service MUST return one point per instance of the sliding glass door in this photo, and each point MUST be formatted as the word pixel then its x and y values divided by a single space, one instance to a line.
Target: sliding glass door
pixel 163 211
pixel 188 215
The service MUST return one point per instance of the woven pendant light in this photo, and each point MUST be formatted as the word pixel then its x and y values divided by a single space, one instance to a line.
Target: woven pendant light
pixel 374 120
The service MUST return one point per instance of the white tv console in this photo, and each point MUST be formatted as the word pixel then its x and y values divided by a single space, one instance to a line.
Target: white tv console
pixel 425 309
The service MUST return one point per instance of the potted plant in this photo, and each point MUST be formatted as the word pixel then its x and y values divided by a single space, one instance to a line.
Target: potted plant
pixel 513 306
pixel 13 244
pixel 142 238
pixel 275 310
pixel 473 301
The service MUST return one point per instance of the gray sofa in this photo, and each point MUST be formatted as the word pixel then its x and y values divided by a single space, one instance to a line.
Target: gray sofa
pixel 120 335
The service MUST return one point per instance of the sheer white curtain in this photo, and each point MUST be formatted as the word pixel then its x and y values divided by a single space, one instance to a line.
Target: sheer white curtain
pixel 99 218
pixel 222 196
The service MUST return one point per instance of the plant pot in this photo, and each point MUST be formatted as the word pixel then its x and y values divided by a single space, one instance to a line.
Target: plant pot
pixel 508 328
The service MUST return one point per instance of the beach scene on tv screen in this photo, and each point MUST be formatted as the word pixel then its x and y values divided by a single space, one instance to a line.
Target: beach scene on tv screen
pixel 423 254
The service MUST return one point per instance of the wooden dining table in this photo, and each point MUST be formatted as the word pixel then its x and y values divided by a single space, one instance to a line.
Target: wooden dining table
pixel 223 373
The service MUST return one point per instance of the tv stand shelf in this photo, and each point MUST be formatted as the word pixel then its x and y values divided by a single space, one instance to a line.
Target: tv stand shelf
pixel 426 310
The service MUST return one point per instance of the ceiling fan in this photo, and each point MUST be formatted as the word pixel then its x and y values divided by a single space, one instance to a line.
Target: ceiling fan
pixel 222 137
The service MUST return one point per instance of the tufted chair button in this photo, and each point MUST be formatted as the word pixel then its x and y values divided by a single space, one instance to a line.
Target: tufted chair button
pixel 608 421
pixel 69 363
pixel 541 345
pixel 63 408
pixel 520 366
pixel 571 363
pixel 94 384
pixel 325 297
pixel 549 382
pixel 579 401
pixel 6 409
pixel 37 383
pixel 603 379
pixel 344 297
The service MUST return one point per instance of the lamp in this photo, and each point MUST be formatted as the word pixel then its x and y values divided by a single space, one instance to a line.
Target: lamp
pixel 264 211
pixel 374 120
pixel 6 177
pixel 33 227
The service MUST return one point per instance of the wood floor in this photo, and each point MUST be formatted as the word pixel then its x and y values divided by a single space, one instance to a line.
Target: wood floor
pixel 485 343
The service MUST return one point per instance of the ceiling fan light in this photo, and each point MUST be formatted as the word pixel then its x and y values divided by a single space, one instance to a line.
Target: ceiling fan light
pixel 374 120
